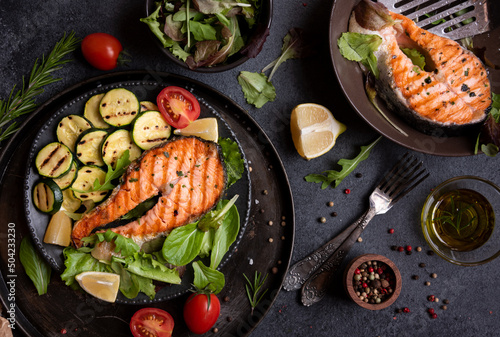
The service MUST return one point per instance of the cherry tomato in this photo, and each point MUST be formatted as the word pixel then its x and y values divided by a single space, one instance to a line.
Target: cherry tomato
pixel 178 106
pixel 101 50
pixel 151 322
pixel 200 314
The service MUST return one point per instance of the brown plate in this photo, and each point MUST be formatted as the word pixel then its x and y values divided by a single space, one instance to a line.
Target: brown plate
pixel 351 80
pixel 81 314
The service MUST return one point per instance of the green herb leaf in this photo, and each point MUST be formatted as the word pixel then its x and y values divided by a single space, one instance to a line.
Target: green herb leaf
pixel 491 150
pixel 207 279
pixel 140 209
pixel 79 261
pixel 129 286
pixel 225 235
pixel 36 268
pixel 348 165
pixel 183 244
pixel 154 25
pixel 22 102
pixel 214 219
pixel 256 88
pixel 360 48
pixel 202 32
pixel 125 246
pixel 253 289
pixel 146 266
pixel 233 160
pixel 415 56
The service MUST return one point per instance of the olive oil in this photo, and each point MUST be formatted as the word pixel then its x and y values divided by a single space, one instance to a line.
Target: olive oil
pixel 462 219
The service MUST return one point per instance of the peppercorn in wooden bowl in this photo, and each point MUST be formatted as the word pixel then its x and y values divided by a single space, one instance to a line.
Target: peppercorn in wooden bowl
pixel 372 281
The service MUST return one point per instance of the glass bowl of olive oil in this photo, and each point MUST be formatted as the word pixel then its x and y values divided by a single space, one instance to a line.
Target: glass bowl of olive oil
pixel 458 220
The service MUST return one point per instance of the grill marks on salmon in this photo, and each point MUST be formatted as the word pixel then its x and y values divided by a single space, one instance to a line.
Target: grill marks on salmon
pixel 188 173
pixel 452 91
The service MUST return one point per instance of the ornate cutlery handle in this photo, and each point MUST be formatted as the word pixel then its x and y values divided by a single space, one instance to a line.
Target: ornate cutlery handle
pixel 314 288
pixel 300 271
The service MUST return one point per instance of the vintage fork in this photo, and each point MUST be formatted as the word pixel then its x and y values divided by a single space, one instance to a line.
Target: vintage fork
pixel 315 271
pixel 454 19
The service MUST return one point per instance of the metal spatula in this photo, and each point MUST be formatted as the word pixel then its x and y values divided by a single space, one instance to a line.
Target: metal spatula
pixel 454 19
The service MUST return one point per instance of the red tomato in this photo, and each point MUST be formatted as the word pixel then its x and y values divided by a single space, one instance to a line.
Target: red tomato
pixel 101 50
pixel 199 314
pixel 178 106
pixel 151 322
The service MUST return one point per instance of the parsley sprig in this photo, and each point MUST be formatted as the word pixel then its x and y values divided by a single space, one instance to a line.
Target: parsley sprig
pixel 22 101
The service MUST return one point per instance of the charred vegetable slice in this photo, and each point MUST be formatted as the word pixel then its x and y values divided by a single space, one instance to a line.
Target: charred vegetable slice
pixel 150 129
pixel 116 144
pixel 91 112
pixel 67 179
pixel 54 160
pixel 147 105
pixel 69 128
pixel 70 202
pixel 59 230
pixel 47 196
pixel 119 107
pixel 84 183
pixel 88 147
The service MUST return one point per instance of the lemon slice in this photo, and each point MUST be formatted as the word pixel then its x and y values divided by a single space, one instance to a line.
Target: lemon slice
pixel 205 128
pixel 314 130
pixel 99 284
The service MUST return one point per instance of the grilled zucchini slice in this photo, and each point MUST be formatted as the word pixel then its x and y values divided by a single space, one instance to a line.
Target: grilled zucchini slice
pixel 119 107
pixel 147 105
pixel 70 202
pixel 91 112
pixel 88 147
pixel 66 180
pixel 47 196
pixel 69 128
pixel 150 129
pixel 116 144
pixel 84 183
pixel 54 160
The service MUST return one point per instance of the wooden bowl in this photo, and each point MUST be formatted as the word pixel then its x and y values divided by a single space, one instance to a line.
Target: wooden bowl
pixel 349 281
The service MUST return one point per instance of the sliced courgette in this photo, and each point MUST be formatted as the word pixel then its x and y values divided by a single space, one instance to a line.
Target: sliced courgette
pixel 69 128
pixel 88 147
pixel 47 196
pixel 147 105
pixel 91 112
pixel 67 179
pixel 119 107
pixel 54 160
pixel 84 183
pixel 116 144
pixel 59 230
pixel 70 202
pixel 150 129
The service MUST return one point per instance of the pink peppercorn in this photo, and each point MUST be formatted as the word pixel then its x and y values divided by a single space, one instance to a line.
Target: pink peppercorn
pixel 370 270
pixel 357 271
pixel 430 311
pixel 400 249
pixel 434 316
pixel 408 248
pixel 391 231
pixel 431 298
pixel 406 310
pixel 379 271
pixel 347 191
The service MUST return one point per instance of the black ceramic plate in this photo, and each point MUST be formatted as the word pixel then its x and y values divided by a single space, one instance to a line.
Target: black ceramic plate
pixel 146 90
pixel 81 314
pixel 351 80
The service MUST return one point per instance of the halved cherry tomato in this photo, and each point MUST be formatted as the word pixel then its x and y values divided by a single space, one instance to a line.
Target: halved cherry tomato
pixel 151 322
pixel 102 50
pixel 178 106
pixel 200 314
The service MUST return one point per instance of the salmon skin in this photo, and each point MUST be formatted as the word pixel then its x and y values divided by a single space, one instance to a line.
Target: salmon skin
pixel 187 172
pixel 451 96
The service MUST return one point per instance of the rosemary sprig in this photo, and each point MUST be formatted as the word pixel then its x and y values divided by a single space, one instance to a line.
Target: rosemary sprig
pixel 253 289
pixel 454 218
pixel 23 101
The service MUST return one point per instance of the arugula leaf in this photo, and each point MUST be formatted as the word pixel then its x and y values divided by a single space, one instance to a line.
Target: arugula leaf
pixel 153 22
pixel 225 235
pixel 256 88
pixel 214 219
pixel 78 261
pixel 145 285
pixel 36 268
pixel 112 174
pixel 233 160
pixel 415 56
pixel 207 243
pixel 183 244
pixel 348 165
pixel 360 48
pixel 207 279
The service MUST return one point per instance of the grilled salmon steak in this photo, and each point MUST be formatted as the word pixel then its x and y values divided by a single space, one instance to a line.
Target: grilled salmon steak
pixel 449 96
pixel 187 172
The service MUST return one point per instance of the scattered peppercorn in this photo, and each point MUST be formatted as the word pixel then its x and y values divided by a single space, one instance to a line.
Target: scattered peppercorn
pixel 391 231
pixel 330 204
pixel 394 247
pixel 334 214
pixel 265 192
pixel 446 301
pixel 422 265
pixel 322 219
pixel 270 223
pixel 419 249
pixel 408 252
pixel 400 249
pixel 64 331
pixel 261 210
pixel 408 248
pixel 282 238
pixel 358 175
pixel 360 239
pixel 215 330
pixel 434 275
pixel 427 283
pixel 274 270
pixel 406 310
pixel 444 307
pixel 434 316
pixel 430 311
pixel 430 253
pixel 283 223
pixel 431 298
pixel 226 298
pixel 398 311
pixel 270 240
pixel 436 300
pixel 347 191
pixel 415 277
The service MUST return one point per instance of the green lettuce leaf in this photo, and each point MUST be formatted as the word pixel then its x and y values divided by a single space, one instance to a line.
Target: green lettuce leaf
pixel 226 234
pixel 183 244
pixel 154 25
pixel 415 56
pixel 360 48
pixel 207 279
pixel 202 32
pixel 36 268
pixel 79 261
pixel 256 88
pixel 146 266
pixel 233 160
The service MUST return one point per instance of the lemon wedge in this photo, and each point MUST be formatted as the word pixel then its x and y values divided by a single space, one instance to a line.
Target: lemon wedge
pixel 314 130
pixel 99 284
pixel 206 128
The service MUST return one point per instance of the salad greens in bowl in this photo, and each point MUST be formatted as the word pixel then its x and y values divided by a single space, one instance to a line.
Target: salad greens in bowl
pixel 209 35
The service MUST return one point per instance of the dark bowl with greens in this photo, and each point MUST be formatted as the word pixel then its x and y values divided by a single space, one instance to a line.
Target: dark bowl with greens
pixel 209 35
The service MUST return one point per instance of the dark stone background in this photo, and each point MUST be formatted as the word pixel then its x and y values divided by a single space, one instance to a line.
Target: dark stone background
pixel 29 29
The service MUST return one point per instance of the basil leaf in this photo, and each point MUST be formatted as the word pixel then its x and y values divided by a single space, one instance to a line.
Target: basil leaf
pixel 225 235
pixel 207 279
pixel 36 268
pixel 182 245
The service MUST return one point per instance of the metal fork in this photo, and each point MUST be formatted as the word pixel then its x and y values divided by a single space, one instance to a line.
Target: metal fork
pixel 454 19
pixel 315 271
